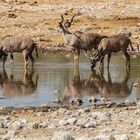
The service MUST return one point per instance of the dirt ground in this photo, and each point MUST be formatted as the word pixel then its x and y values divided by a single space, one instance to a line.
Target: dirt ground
pixel 39 19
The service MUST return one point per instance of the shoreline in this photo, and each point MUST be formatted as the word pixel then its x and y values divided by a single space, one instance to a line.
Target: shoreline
pixel 55 123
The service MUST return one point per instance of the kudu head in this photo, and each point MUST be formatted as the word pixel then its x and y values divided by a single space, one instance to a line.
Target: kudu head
pixel 63 26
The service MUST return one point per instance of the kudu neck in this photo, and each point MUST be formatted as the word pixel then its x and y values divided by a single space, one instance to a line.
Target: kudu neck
pixel 65 30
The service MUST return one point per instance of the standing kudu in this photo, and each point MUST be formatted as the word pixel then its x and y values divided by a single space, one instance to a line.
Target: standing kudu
pixel 78 40
pixel 10 44
pixel 110 45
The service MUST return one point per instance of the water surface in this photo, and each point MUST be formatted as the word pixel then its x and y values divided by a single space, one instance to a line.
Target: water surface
pixel 53 79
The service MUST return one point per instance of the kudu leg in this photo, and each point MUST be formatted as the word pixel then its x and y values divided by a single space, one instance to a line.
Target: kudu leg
pixel 11 59
pixel 4 60
pixel 25 55
pixel 101 62
pixel 108 60
pixel 127 56
pixel 76 64
pixel 32 59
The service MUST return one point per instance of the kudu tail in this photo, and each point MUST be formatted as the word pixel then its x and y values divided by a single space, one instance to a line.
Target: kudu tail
pixel 35 46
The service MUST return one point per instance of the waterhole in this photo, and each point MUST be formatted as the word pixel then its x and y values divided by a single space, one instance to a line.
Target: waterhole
pixel 52 80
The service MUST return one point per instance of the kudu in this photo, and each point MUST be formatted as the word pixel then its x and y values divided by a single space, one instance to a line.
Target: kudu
pixel 15 87
pixel 78 40
pixel 110 45
pixel 10 44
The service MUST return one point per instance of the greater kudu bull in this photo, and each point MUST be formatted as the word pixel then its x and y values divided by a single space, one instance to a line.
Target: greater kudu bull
pixel 78 40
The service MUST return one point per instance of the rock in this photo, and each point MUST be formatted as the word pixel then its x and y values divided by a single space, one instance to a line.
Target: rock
pixel 35 125
pixel 122 137
pixel 138 135
pixel 137 84
pixel 1 124
pixel 63 122
pixel 7 121
pixel 92 100
pixel 90 125
pixel 86 110
pixel 62 110
pixel 103 137
pixel 72 121
pixel 135 37
pixel 40 114
pixel 78 101
pixel 8 118
pixel 138 123
pixel 62 136
pixel 12 15
pixel 138 24
pixel 10 134
pixel 43 125
pixel 85 138
pixel 19 124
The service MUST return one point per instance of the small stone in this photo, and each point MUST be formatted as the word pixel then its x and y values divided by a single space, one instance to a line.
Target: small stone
pixel 122 137
pixel 92 100
pixel 72 121
pixel 138 135
pixel 86 110
pixel 138 123
pixel 43 125
pixel 1 125
pixel 78 101
pixel 11 15
pixel 10 134
pixel 35 125
pixel 62 136
pixel 40 114
pixel 62 110
pixel 85 138
pixel 103 137
pixel 90 125
pixel 63 123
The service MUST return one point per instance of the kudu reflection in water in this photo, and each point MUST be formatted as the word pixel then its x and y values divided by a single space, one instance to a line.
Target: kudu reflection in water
pixel 113 90
pixel 97 84
pixel 12 87
pixel 79 88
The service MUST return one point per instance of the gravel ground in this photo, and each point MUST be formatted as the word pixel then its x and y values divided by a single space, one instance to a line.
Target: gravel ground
pixel 121 122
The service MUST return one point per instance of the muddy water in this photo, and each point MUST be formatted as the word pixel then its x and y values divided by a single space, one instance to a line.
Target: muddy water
pixel 52 79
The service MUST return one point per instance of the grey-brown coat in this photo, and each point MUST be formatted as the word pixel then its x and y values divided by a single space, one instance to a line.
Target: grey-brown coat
pixel 110 45
pixel 10 44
